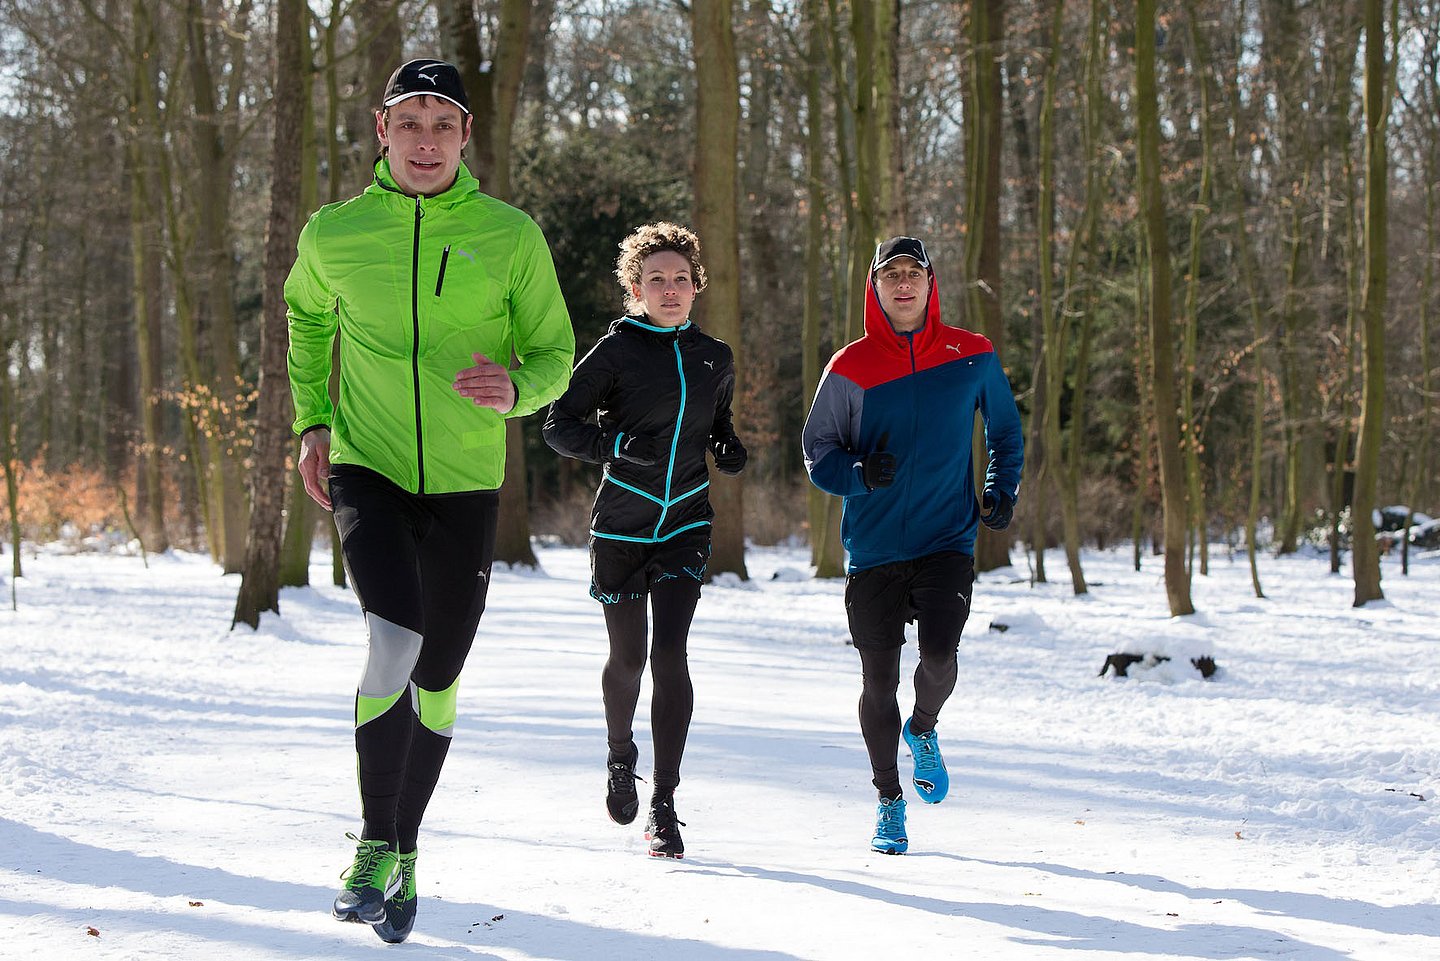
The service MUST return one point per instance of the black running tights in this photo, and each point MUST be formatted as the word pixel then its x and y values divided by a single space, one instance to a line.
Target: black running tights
pixel 672 698
pixel 420 567
pixel 879 708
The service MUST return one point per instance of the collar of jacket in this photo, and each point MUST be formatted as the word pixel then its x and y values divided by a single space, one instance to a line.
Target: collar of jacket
pixel 879 330
pixel 639 325
pixel 464 187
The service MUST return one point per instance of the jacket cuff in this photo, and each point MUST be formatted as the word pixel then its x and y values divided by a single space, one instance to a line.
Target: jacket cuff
pixel 302 428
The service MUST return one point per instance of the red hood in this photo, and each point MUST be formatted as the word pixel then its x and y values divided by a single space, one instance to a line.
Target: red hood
pixel 877 325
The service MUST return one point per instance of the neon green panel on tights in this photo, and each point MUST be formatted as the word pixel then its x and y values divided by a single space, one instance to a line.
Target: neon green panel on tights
pixel 368 709
pixel 437 708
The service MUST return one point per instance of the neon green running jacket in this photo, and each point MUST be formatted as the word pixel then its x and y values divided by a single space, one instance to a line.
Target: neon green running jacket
pixel 416 285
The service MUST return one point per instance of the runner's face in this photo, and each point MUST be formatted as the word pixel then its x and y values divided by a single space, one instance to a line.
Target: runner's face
pixel 424 136
pixel 666 288
pixel 903 287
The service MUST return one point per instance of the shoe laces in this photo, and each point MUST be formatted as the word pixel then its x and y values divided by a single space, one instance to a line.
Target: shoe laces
pixel 369 858
pixel 407 878
pixel 662 815
pixel 623 778
pixel 926 751
pixel 890 819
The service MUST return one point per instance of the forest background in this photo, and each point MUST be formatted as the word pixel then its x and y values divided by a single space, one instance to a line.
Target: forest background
pixel 1202 235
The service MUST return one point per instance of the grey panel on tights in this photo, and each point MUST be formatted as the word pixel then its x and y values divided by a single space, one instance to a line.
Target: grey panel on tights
pixel 393 653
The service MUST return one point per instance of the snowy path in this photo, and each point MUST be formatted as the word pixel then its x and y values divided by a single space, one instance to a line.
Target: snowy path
pixel 183 791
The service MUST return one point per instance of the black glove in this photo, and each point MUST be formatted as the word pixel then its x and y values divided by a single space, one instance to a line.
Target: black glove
pixel 635 448
pixel 877 469
pixel 730 454
pixel 996 509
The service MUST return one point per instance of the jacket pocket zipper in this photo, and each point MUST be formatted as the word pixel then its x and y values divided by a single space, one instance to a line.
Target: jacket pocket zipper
pixel 444 258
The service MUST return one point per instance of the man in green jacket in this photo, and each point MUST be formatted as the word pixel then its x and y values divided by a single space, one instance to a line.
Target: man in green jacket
pixel 432 286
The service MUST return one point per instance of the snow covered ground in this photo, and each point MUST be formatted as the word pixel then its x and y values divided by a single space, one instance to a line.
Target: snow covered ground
pixel 170 789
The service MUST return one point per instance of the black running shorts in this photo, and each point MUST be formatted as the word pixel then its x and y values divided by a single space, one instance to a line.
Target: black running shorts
pixel 935 589
pixel 627 571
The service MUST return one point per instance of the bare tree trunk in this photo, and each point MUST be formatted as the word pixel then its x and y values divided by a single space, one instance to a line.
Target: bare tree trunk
pixel 825 552
pixel 213 127
pixel 1190 425
pixel 301 514
pixel 119 392
pixel 535 93
pixel 1053 340
pixel 1346 405
pixel 301 517
pixel 847 322
pixel 1027 201
pixel 1284 67
pixel 7 450
pixel 460 44
pixel 1257 404
pixel 1365 556
pixel 1248 270
pixel 764 416
pixel 717 125
pixel 8 422
pixel 260 583
pixel 1422 478
pixel 79 362
pixel 848 316
pixel 147 280
pixel 379 37
pixel 1292 372
pixel 891 215
pixel 1162 351
pixel 201 443
pixel 511 43
pixel 1145 391
pixel 868 111
pixel 379 25
pixel 985 116
pixel 49 368
pixel 512 534
pixel 1084 246
pixel 330 78
pixel 9 416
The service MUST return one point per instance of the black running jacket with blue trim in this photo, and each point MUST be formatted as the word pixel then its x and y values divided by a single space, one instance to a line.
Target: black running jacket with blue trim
pixel 671 384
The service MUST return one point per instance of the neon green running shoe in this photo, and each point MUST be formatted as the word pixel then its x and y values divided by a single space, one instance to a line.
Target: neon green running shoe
pixel 400 906
pixel 373 877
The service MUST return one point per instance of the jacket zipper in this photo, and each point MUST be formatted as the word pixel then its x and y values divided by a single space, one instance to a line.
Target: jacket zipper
pixel 440 281
pixel 914 430
pixel 415 345
pixel 675 441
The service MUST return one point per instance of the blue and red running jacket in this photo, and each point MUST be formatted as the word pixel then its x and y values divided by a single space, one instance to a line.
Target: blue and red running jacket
pixel 918 392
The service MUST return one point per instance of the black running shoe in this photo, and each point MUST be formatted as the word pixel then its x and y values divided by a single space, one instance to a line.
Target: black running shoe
pixel 620 798
pixel 662 830
pixel 400 907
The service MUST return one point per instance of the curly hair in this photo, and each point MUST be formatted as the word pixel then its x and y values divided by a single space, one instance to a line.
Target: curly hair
pixel 653 239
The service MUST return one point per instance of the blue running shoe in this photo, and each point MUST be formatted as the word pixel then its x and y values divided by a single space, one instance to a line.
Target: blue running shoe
pixel 931 780
pixel 400 906
pixel 890 827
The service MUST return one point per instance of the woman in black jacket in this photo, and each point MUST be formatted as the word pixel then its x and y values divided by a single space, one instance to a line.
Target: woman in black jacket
pixel 646 403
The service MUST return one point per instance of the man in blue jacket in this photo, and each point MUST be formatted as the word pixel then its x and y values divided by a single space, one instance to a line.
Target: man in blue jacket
pixel 890 432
